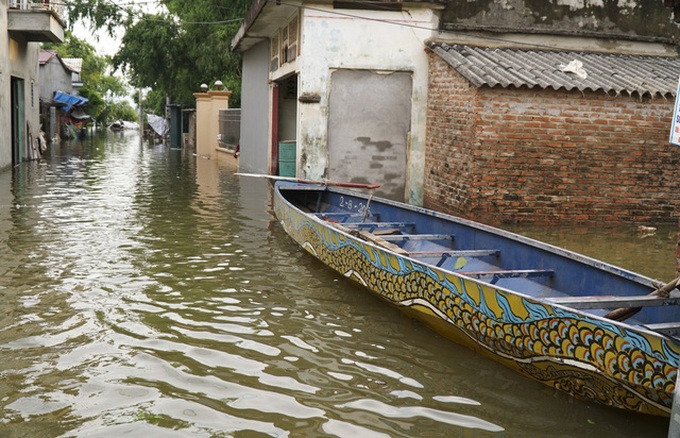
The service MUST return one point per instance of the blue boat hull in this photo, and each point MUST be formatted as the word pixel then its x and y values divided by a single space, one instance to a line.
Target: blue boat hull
pixel 466 281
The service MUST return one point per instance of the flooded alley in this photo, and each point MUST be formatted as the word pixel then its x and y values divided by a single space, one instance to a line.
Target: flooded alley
pixel 148 292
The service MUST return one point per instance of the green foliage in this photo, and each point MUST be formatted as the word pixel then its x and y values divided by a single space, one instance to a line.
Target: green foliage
pixel 154 102
pixel 151 54
pixel 173 52
pixel 105 92
pixel 101 14
pixel 122 110
pixel 96 107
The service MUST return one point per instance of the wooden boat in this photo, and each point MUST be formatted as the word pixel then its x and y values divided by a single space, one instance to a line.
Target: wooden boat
pixel 539 309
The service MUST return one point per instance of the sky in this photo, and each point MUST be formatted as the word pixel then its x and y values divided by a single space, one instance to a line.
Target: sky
pixel 102 42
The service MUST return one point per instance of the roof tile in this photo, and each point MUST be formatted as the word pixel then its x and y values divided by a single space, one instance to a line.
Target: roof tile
pixel 611 73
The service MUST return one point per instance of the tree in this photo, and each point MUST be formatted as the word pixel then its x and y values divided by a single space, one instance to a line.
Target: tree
pixel 105 92
pixel 173 52
pixel 122 110
pixel 210 26
pixel 152 56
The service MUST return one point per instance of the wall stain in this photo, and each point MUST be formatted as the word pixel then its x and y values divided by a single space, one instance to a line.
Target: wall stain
pixel 381 145
pixel 633 19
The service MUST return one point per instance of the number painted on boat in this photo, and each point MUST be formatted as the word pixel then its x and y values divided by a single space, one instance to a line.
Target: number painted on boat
pixel 352 205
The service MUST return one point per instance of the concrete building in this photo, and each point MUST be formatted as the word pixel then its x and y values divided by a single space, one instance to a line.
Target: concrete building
pixel 497 110
pixel 342 86
pixel 23 25
pixel 76 67
pixel 57 91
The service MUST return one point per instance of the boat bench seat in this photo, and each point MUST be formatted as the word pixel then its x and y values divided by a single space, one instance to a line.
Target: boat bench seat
pixel 667 328
pixel 612 302
pixel 512 273
pixel 457 253
pixel 413 237
pixel 342 216
pixel 445 255
pixel 382 228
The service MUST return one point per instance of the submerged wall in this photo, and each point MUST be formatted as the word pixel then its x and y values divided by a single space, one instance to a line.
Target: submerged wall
pixel 255 115
pixel 5 114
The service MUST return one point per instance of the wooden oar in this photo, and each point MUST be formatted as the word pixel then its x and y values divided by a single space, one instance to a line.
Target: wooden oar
pixel 624 313
pixel 324 182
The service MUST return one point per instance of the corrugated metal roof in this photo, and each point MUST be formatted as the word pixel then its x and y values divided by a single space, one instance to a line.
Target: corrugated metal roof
pixel 611 73
pixel 75 64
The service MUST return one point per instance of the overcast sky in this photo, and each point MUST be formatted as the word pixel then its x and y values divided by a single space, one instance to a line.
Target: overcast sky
pixel 102 42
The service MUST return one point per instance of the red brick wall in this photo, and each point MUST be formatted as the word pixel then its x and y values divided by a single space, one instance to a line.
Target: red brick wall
pixel 539 156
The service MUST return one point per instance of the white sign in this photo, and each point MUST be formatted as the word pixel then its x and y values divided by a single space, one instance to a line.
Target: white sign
pixel 675 125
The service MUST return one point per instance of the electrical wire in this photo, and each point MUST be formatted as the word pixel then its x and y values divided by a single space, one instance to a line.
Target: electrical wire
pixel 402 23
pixel 415 26
pixel 140 15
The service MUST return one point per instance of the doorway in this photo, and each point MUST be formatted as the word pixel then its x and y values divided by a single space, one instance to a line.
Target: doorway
pixel 284 127
pixel 18 120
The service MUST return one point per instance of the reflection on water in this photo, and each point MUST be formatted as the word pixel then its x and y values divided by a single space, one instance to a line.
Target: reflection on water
pixel 142 296
pixel 651 253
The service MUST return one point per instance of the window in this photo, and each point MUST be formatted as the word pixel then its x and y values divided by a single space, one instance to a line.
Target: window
pixel 284 44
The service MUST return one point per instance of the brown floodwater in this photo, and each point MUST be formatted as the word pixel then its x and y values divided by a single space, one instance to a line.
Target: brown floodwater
pixel 147 292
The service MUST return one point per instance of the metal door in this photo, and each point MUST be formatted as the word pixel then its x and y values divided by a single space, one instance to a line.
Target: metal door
pixel 18 121
pixel 369 121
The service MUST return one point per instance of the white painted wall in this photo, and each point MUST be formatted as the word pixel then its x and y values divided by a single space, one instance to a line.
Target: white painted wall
pixel 18 58
pixel 355 39
pixel 5 114
pixel 24 64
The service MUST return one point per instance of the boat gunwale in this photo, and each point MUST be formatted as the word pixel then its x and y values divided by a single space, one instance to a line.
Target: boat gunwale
pixel 591 262
pixel 573 255
pixel 667 350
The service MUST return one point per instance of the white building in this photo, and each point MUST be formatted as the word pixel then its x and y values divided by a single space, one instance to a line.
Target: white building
pixel 345 87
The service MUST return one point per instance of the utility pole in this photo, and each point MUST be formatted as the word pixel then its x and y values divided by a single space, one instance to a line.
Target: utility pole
pixel 141 118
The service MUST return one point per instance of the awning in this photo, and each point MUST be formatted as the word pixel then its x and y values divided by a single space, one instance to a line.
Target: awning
pixel 158 124
pixel 69 100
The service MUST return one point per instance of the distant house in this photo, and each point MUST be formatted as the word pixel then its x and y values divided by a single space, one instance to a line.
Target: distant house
pixel 544 113
pixel 22 28
pixel 58 95
pixel 55 75
pixel 341 88
pixel 76 67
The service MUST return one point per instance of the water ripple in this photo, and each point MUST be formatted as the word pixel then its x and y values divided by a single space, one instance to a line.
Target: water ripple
pixel 147 292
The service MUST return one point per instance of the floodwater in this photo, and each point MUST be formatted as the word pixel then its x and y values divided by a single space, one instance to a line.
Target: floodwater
pixel 147 292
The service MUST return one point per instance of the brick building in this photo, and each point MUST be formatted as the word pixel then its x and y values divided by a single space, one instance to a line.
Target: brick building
pixel 568 128
pixel 524 152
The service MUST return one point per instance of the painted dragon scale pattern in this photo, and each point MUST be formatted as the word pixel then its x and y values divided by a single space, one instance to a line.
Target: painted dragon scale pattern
pixel 589 358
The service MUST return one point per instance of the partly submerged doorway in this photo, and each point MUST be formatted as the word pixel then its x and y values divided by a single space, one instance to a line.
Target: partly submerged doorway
pixel 284 127
pixel 18 120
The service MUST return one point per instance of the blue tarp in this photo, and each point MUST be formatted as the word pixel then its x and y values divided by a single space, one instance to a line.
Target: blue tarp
pixel 69 100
